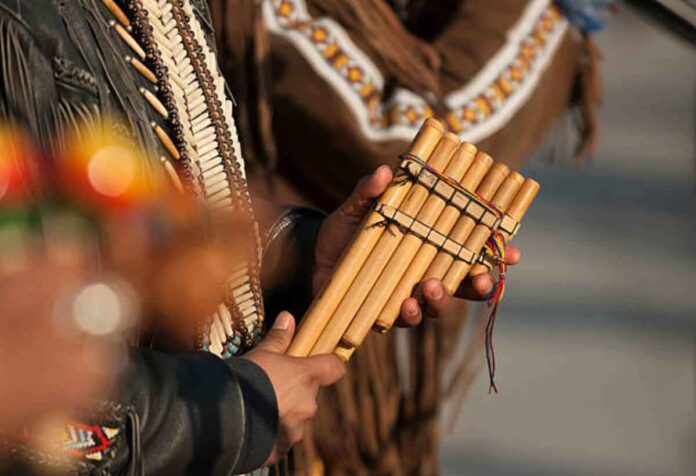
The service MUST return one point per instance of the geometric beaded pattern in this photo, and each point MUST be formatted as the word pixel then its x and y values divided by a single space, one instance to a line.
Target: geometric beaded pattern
pixel 90 442
pixel 474 111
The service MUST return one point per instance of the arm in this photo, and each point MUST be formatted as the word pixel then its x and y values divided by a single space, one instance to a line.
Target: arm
pixel 196 414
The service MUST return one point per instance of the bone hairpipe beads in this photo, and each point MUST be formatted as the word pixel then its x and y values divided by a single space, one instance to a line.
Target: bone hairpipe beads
pixel 446 201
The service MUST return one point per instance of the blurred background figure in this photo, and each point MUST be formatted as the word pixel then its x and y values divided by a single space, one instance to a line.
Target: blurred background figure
pixel 597 343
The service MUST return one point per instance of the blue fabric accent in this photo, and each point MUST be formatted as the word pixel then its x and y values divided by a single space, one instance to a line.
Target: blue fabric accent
pixel 588 15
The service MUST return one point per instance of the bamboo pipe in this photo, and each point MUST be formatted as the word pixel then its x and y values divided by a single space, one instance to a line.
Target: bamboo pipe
pixel 516 211
pixel 514 189
pixel 465 225
pixel 521 197
pixel 427 252
pixel 351 262
pixel 344 353
pixel 388 242
pixel 460 166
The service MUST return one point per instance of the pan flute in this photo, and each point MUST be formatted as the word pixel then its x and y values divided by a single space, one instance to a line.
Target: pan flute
pixel 436 219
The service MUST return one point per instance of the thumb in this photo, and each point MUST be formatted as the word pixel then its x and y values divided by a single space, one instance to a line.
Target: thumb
pixel 327 369
pixel 279 337
pixel 367 190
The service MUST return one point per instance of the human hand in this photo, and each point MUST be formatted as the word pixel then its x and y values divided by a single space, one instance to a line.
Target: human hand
pixel 338 229
pixel 296 381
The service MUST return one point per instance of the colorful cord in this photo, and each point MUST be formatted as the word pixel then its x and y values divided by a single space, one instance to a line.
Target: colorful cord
pixel 495 246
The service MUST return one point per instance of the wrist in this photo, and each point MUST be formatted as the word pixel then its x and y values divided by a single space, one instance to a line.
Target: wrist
pixel 290 260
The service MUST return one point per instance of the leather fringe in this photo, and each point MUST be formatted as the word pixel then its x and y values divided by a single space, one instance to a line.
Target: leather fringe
pixel 384 417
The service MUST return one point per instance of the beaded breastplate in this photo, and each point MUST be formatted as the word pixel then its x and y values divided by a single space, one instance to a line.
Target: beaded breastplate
pixel 203 155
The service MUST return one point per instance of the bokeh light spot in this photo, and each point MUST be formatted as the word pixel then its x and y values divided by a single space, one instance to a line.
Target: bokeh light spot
pixel 112 170
pixel 99 310
pixel 4 183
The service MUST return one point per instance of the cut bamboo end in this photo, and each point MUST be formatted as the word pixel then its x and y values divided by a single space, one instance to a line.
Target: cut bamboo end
pixel 523 200
pixel 477 171
pixel 344 353
pixel 462 161
pixel 493 180
pixel 348 266
pixel 507 191
pixel 428 137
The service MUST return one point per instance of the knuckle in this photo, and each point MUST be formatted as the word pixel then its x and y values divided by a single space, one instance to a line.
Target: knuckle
pixel 311 409
pixel 306 375
pixel 296 435
pixel 338 368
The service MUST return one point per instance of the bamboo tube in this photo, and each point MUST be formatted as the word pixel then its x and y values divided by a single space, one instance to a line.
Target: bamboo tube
pixel 404 254
pixel 427 252
pixel 351 262
pixel 465 225
pixel 521 196
pixel 388 242
pixel 344 353
pixel 516 211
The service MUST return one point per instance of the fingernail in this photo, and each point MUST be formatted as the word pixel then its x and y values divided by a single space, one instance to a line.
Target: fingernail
pixel 282 322
pixel 437 293
pixel 488 286
pixel 413 312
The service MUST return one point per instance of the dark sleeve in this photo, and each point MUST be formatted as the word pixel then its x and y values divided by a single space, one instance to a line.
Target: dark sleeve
pixel 288 262
pixel 196 414
pixel 173 415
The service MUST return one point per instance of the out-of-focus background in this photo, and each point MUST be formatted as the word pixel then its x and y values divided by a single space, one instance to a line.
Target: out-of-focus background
pixel 596 339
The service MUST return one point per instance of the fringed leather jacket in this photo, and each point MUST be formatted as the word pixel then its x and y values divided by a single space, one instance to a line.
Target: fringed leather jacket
pixel 152 64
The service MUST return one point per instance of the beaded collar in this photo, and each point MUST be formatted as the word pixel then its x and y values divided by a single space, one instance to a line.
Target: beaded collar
pixel 171 51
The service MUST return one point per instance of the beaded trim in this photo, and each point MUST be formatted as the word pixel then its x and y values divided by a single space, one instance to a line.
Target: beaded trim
pixel 475 111
pixel 172 53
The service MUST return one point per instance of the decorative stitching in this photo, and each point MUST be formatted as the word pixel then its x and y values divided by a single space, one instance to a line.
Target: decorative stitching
pixel 475 111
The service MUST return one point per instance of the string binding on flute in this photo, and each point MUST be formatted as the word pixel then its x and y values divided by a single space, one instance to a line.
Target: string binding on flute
pixel 482 211
pixel 495 247
pixel 407 224
pixel 453 193
pixel 413 169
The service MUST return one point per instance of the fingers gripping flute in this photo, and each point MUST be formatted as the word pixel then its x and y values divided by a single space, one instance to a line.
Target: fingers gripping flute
pixel 323 307
pixel 429 223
